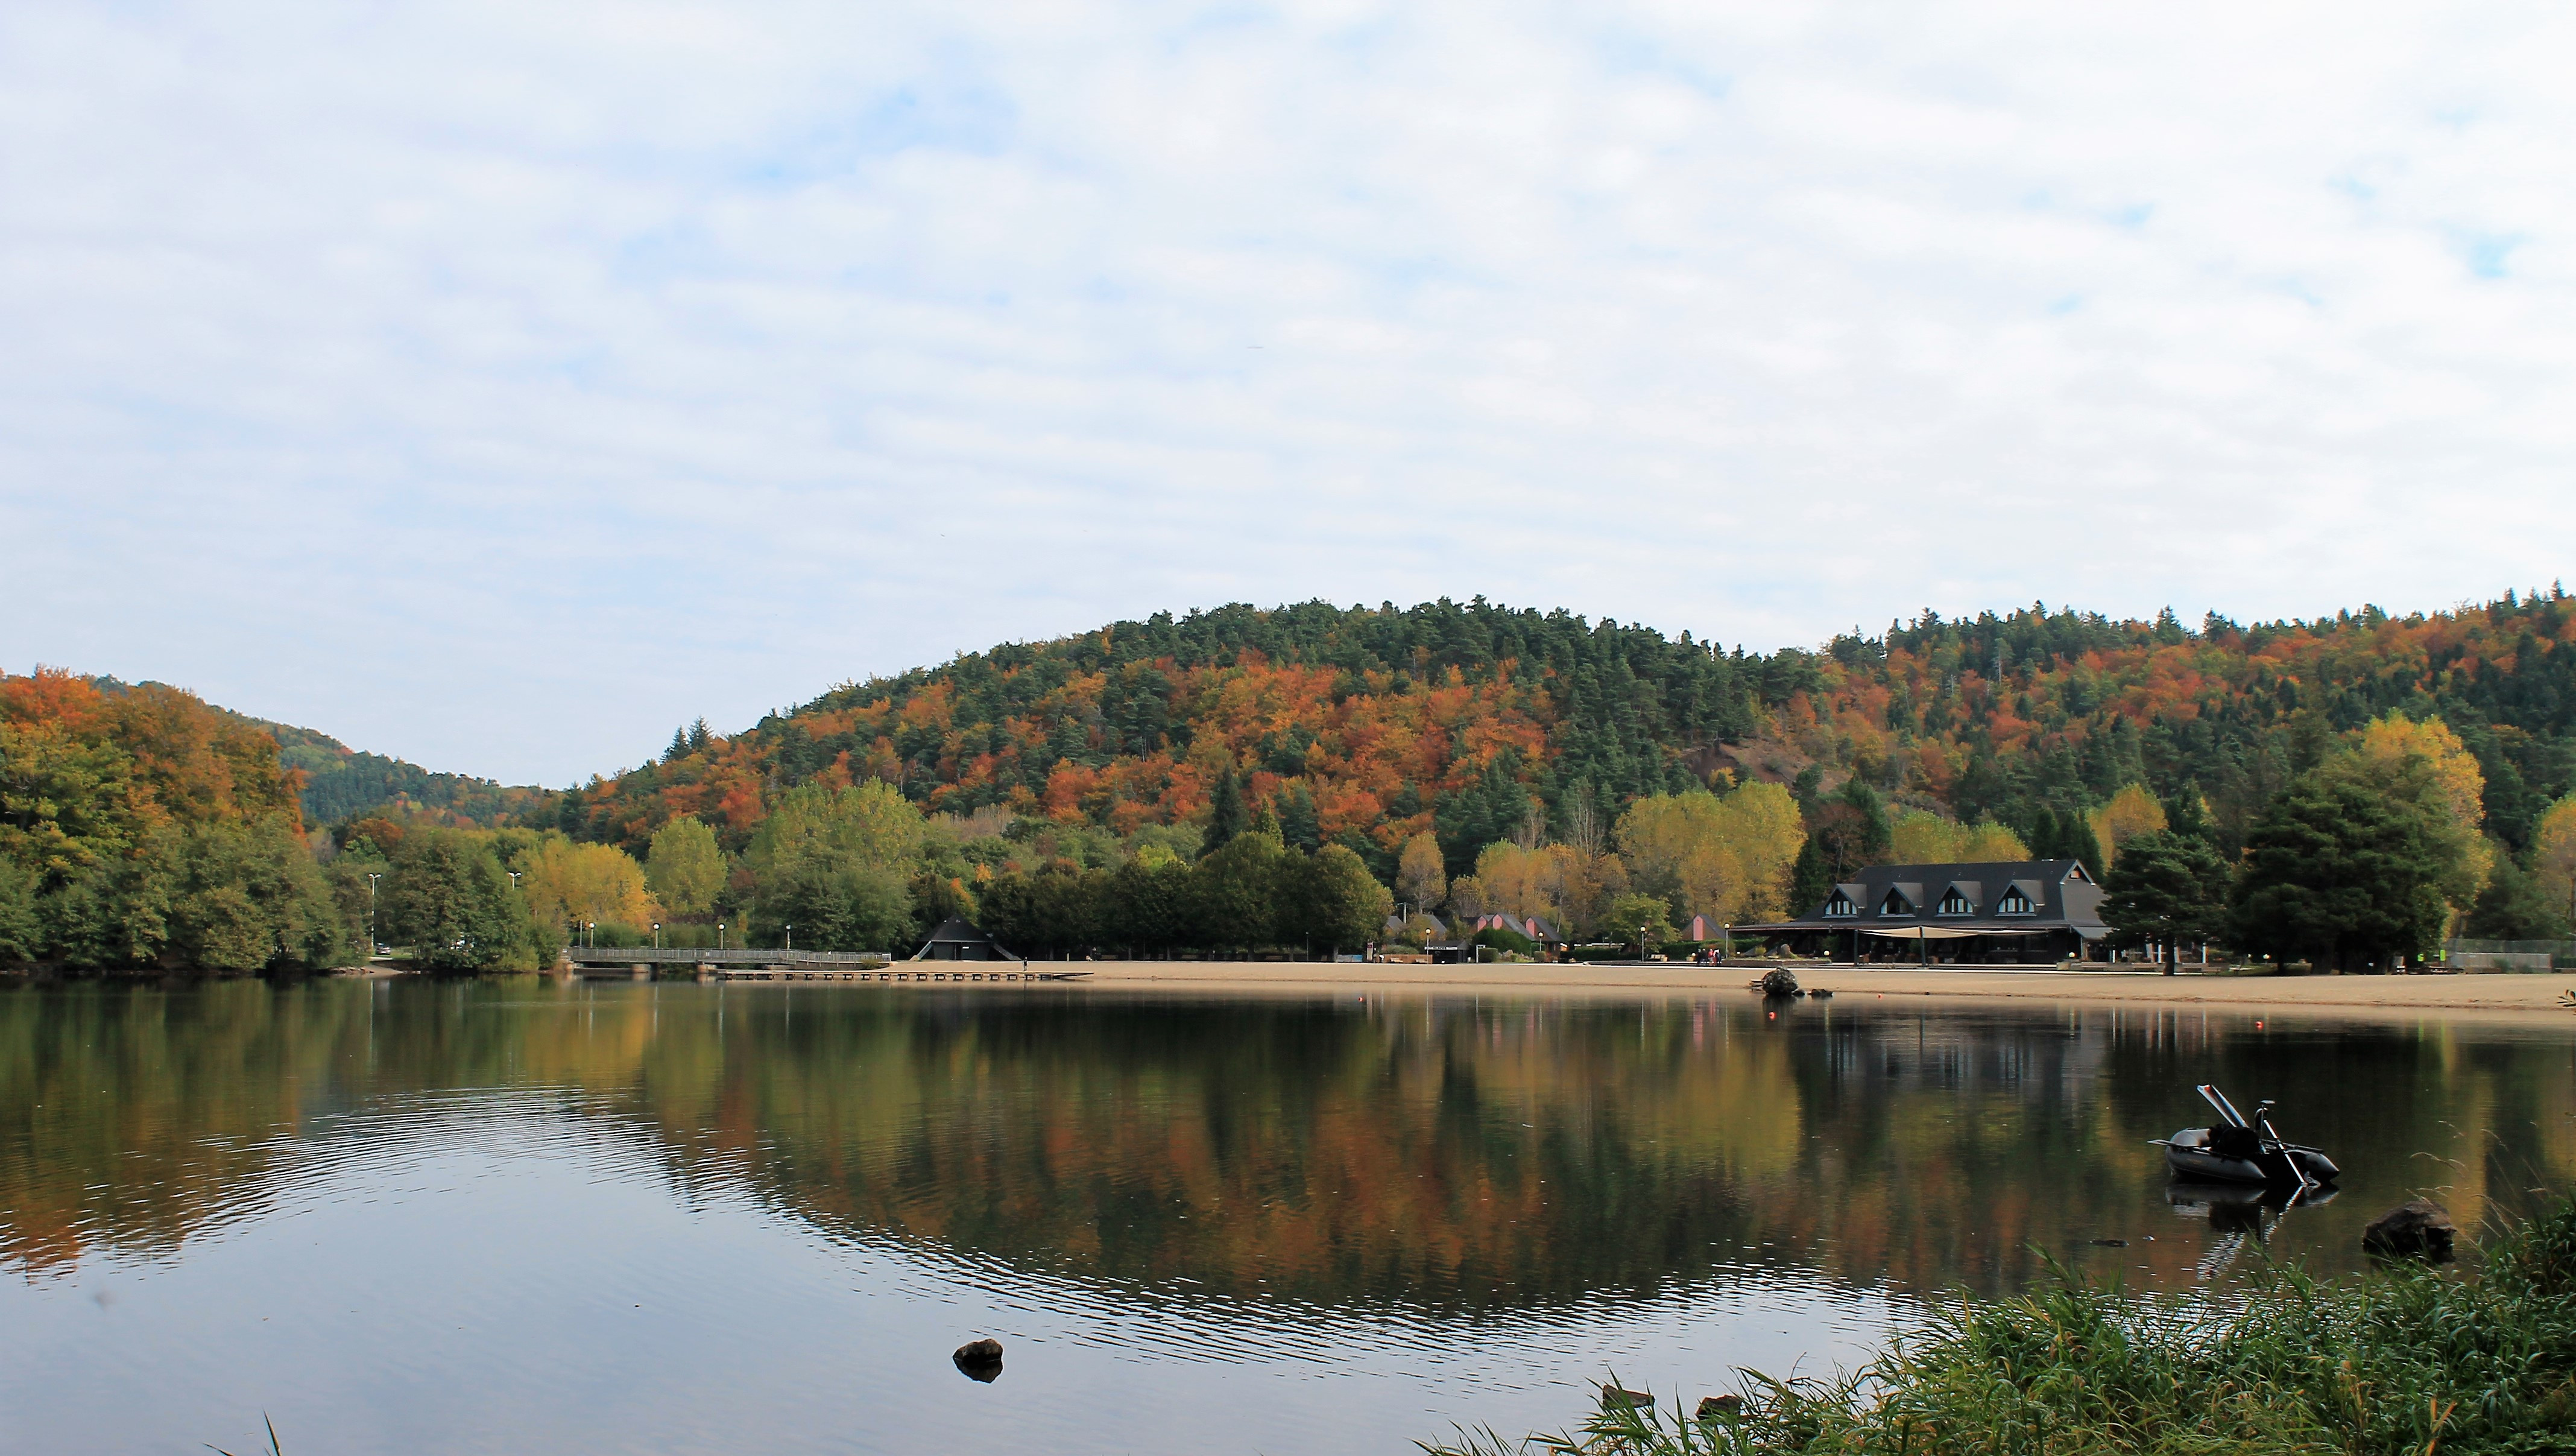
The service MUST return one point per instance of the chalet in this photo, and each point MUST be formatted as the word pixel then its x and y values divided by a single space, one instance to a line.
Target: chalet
pixel 960 939
pixel 1963 914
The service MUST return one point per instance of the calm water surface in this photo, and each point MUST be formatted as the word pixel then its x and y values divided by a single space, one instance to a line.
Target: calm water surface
pixel 517 1216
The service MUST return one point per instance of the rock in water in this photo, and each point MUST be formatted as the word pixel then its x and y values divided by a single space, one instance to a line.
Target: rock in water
pixel 980 1360
pixel 1780 983
pixel 1613 1398
pixel 2417 1228
pixel 1713 1406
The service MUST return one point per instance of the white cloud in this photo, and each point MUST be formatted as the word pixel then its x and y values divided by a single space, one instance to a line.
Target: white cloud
pixel 499 386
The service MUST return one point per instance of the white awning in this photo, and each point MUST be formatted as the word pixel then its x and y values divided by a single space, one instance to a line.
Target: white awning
pixel 1935 932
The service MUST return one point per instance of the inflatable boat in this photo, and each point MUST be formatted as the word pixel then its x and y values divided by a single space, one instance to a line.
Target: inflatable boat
pixel 2243 1151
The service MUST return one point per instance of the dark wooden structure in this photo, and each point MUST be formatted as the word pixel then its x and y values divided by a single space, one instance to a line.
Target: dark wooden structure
pixel 961 939
pixel 2037 912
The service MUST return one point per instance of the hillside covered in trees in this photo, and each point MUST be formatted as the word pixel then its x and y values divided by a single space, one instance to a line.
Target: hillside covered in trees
pixel 1368 726
pixel 1243 778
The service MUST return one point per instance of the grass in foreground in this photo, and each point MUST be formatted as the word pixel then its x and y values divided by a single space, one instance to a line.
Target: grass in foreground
pixel 2406 1360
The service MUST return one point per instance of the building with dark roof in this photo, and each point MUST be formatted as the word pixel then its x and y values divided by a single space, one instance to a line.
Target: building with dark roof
pixel 960 939
pixel 1973 914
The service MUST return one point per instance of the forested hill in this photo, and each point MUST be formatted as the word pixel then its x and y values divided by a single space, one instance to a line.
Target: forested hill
pixel 341 782
pixel 1365 726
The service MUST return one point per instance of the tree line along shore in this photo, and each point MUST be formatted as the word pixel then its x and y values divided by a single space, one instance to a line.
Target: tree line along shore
pixel 2341 793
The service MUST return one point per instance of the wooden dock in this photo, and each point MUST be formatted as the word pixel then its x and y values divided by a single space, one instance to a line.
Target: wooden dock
pixel 912 972
pixel 805 965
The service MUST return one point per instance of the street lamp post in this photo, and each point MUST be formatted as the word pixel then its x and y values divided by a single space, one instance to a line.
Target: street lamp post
pixel 657 935
pixel 372 877
pixel 719 935
pixel 791 940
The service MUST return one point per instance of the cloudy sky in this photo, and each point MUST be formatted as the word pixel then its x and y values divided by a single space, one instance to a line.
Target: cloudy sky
pixel 501 385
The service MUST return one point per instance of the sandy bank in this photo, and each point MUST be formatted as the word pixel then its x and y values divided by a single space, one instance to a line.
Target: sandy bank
pixel 2534 996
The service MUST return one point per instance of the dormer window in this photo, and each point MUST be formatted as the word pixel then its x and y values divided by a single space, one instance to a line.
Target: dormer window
pixel 1896 904
pixel 1955 902
pixel 2014 902
pixel 1840 907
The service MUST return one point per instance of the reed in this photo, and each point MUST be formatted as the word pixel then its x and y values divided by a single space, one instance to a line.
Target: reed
pixel 2403 1359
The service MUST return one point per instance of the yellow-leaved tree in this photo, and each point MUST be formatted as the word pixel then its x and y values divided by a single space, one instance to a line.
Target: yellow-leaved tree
pixel 1562 884
pixel 1726 858
pixel 1419 881
pixel 574 884
pixel 2132 812
pixel 1919 837
pixel 2553 853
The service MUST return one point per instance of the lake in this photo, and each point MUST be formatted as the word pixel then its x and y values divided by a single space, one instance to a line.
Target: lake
pixel 519 1215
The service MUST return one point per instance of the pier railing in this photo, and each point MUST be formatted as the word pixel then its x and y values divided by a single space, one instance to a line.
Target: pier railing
pixel 730 956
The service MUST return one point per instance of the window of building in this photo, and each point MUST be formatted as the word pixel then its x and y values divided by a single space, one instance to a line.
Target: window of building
pixel 1840 906
pixel 2014 902
pixel 1896 904
pixel 1956 903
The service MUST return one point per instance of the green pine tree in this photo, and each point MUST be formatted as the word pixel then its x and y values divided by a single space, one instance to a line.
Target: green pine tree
pixel 1226 815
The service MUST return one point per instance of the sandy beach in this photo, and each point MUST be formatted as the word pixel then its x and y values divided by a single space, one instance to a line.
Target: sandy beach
pixel 2527 996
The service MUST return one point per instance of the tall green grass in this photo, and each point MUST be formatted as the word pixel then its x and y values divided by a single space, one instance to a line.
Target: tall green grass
pixel 2402 1360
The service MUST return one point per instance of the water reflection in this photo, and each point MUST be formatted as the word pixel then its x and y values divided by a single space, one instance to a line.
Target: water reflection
pixel 1450 1158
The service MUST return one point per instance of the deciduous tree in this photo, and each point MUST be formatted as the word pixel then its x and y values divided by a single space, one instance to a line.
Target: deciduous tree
pixel 1419 879
pixel 1334 903
pixel 685 869
pixel 448 898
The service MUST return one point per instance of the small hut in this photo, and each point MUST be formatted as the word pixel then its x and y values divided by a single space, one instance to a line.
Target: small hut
pixel 961 939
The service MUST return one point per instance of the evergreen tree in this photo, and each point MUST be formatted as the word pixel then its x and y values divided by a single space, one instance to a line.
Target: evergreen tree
pixel 2186 817
pixel 2047 838
pixel 2168 888
pixel 2077 842
pixel 1226 815
pixel 2334 873
pixel 1811 880
pixel 1298 823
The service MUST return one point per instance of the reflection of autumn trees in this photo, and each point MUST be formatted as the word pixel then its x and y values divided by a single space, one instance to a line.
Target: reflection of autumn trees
pixel 1515 1153
pixel 1458 1155
pixel 133 1119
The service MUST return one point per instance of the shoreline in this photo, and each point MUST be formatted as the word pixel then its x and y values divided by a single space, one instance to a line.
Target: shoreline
pixel 2534 998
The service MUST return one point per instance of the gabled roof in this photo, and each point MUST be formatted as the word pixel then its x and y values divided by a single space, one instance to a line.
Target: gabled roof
pixel 2062 896
pixel 958 930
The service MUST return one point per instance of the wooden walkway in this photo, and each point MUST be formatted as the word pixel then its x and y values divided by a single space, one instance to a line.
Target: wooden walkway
pixel 802 965
pixel 911 972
